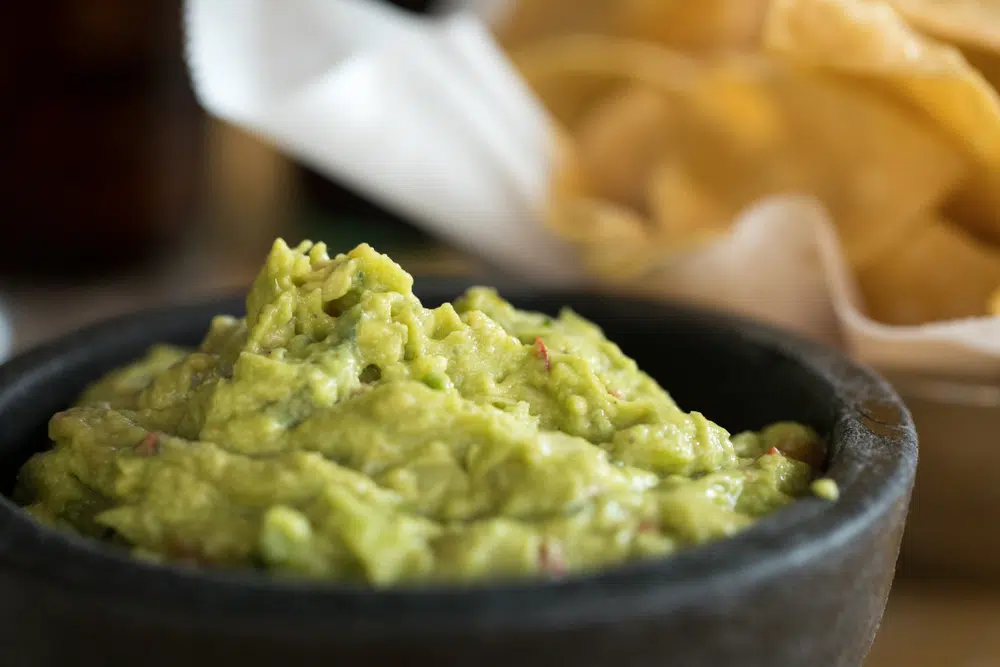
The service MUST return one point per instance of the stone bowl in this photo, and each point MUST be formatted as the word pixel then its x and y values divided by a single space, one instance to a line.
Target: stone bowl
pixel 805 586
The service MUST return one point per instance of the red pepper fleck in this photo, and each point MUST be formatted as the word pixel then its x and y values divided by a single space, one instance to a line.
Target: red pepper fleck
pixel 615 393
pixel 550 558
pixel 647 527
pixel 148 446
pixel 774 450
pixel 543 352
pixel 358 391
pixel 185 552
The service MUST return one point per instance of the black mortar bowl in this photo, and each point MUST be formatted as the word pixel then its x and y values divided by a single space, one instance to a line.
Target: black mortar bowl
pixel 805 586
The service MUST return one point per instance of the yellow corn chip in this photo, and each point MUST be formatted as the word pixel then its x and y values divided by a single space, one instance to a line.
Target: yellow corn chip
pixel 695 25
pixel 684 212
pixel 995 303
pixel 975 206
pixel 613 241
pixel 869 39
pixel 971 22
pixel 742 127
pixel 622 139
pixel 660 149
pixel 529 21
pixel 785 130
pixel 568 184
pixel 572 74
pixel 939 273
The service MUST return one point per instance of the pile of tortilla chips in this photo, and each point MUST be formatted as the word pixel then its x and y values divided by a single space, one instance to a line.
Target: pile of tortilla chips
pixel 674 115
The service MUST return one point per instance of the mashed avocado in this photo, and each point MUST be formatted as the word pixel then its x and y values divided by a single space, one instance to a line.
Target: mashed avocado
pixel 343 431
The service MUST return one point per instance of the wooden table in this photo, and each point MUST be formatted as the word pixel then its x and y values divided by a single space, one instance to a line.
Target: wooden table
pixel 939 625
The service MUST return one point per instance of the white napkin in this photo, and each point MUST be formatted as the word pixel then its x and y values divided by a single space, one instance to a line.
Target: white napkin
pixel 428 117
pixel 783 263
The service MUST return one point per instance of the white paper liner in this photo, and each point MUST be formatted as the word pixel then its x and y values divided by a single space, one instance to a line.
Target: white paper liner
pixel 426 117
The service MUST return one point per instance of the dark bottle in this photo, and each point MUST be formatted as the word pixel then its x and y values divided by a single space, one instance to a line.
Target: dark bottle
pixel 100 134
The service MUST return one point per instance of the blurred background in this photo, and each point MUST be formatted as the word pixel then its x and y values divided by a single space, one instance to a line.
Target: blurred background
pixel 119 191
pixel 116 191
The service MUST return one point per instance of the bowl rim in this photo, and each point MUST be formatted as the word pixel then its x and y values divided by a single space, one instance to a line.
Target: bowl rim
pixel 875 470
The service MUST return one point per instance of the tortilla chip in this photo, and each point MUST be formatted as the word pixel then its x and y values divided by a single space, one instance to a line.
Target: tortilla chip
pixel 742 127
pixel 568 183
pixel 994 306
pixel 749 114
pixel 874 166
pixel 661 141
pixel 680 24
pixel 869 39
pixel 622 139
pixel 528 21
pixel 573 74
pixel 940 273
pixel 685 213
pixel 975 205
pixel 613 241
pixel 986 63
pixel 592 56
pixel 969 22
pixel 691 25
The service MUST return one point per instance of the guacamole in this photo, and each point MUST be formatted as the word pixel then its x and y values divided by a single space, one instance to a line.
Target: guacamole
pixel 342 431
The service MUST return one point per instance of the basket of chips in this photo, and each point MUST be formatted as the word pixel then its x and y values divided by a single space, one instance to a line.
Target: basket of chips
pixel 832 166
pixel 677 115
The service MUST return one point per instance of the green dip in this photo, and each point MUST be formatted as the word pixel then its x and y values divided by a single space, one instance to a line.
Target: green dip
pixel 343 431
